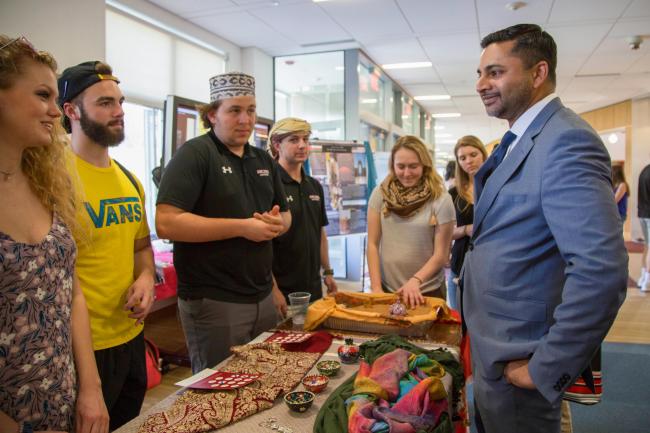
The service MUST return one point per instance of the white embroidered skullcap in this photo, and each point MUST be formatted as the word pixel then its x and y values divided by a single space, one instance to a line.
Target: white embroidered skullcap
pixel 231 85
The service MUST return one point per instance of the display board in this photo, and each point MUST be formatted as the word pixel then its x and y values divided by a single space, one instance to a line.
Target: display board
pixel 342 169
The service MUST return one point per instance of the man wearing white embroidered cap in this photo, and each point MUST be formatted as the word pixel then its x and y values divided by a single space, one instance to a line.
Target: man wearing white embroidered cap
pixel 222 202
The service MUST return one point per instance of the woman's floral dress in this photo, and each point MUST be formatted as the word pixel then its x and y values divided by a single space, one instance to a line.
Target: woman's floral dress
pixel 37 374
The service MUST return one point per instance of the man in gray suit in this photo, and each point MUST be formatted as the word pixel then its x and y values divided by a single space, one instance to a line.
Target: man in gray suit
pixel 546 270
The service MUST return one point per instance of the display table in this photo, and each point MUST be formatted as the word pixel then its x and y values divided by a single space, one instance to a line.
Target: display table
pixel 444 335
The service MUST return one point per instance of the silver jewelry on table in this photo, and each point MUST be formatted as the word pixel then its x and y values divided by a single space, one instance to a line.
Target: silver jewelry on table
pixel 272 424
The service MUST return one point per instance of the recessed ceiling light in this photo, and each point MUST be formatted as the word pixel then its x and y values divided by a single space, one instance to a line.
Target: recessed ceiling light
pixel 444 115
pixel 513 6
pixel 369 101
pixel 318 44
pixel 407 65
pixel 432 98
pixel 438 127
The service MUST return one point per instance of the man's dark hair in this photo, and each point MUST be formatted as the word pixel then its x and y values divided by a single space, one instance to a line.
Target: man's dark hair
pixel 532 45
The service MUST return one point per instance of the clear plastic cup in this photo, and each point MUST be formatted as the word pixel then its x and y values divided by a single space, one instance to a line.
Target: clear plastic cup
pixel 299 301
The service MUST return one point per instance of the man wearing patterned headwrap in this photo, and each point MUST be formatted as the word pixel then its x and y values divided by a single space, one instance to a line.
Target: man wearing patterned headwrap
pixel 222 203
pixel 299 254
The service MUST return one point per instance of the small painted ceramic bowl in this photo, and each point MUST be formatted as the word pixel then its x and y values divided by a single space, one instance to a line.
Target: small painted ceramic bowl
pixel 315 383
pixel 328 368
pixel 299 401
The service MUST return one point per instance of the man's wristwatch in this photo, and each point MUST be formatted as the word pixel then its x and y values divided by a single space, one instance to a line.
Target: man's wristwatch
pixel 328 271
pixel 25 427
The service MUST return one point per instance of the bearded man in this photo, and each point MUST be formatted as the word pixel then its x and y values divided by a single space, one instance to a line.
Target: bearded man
pixel 115 263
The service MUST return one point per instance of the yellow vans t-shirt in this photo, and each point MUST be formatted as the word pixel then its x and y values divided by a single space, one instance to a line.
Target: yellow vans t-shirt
pixel 111 217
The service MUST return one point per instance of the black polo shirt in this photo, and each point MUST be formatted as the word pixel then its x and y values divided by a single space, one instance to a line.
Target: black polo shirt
pixel 205 178
pixel 296 254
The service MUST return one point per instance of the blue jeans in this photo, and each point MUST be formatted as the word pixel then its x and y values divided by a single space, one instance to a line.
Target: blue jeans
pixel 452 291
pixel 645 225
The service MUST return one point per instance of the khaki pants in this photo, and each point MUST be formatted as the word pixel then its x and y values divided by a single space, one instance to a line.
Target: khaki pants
pixel 567 426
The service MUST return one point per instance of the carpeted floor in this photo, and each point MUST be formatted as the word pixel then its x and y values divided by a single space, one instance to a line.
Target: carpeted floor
pixel 625 407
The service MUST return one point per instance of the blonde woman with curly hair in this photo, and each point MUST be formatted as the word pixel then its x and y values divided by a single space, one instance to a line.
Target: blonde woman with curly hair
pixel 470 155
pixel 48 377
pixel 410 222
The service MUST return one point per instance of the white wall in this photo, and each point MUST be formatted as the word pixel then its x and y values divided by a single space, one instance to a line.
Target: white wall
pixel 640 156
pixel 260 65
pixel 72 30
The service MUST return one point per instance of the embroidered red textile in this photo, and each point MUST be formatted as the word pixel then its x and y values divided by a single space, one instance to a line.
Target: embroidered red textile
pixel 202 411
pixel 317 343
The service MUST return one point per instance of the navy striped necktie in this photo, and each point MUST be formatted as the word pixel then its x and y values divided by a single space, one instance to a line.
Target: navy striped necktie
pixel 492 163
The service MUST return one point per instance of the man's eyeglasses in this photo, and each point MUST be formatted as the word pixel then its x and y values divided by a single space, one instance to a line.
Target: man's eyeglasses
pixel 21 39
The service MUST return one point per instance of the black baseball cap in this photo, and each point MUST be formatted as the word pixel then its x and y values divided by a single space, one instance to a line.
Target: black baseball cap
pixel 76 79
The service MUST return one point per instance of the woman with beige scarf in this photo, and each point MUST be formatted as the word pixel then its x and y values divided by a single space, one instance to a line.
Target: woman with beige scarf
pixel 410 222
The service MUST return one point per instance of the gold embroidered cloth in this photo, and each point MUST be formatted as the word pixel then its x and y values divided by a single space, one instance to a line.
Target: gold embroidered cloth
pixel 202 411
pixel 373 308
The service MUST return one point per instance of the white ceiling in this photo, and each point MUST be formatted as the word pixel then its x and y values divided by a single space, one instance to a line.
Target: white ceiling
pixel 595 65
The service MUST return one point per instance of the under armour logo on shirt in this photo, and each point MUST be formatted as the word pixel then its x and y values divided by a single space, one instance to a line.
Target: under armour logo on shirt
pixel 226 169
pixel 289 198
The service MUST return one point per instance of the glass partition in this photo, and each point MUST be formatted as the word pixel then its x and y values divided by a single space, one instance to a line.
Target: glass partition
pixel 428 130
pixel 408 123
pixel 310 86
pixel 417 130
pixel 372 90
pixel 375 136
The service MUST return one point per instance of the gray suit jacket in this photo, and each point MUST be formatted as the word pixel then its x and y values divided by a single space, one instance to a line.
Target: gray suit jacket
pixel 547 268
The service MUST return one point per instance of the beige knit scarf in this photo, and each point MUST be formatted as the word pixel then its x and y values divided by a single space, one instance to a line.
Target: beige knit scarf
pixel 401 200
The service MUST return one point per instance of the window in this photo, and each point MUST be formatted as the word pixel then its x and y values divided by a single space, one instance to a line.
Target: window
pixel 310 86
pixel 152 63
pixel 140 151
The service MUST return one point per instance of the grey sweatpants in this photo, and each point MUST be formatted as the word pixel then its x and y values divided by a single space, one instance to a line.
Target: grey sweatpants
pixel 212 327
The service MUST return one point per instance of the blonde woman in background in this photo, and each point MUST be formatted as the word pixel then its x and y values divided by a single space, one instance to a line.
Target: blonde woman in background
pixel 410 223
pixel 470 155
pixel 48 377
